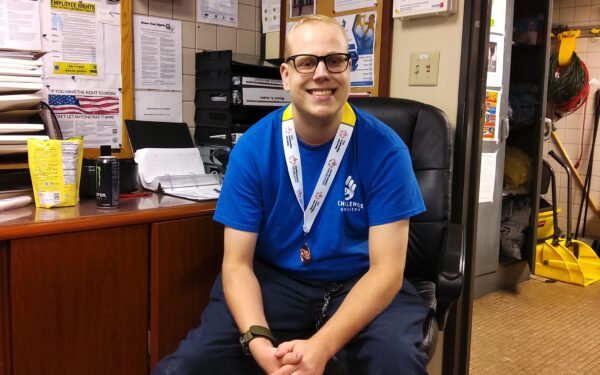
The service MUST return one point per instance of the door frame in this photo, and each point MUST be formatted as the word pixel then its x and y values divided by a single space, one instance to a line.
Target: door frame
pixel 465 185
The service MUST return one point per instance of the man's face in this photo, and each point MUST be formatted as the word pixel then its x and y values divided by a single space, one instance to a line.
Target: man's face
pixel 320 95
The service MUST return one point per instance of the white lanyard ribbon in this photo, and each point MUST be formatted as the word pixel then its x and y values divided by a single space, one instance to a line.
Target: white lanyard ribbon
pixel 330 168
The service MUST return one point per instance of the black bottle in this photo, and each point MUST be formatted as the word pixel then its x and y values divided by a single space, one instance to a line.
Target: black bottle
pixel 107 179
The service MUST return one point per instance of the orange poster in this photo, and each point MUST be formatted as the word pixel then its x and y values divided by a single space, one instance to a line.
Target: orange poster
pixel 490 121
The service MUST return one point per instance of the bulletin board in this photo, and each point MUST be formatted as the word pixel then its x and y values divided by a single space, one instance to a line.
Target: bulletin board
pixel 383 37
pixel 127 109
pixel 127 74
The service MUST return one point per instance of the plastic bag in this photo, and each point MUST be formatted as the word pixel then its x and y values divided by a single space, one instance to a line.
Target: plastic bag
pixel 55 168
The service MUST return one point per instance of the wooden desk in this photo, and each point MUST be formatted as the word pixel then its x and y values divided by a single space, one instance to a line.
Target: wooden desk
pixel 103 291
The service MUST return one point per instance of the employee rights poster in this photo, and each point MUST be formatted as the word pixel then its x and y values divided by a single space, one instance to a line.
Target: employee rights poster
pixel 74 39
pixel 361 46
pixel 93 113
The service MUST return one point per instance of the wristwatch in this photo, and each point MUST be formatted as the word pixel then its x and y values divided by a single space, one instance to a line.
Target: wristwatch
pixel 252 333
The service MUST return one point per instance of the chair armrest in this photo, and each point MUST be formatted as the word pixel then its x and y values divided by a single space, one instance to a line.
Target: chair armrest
pixel 451 270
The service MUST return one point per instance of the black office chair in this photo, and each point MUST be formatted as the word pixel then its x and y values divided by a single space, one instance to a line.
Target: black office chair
pixel 436 254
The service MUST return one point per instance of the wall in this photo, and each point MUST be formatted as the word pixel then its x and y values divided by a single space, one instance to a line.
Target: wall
pixel 197 37
pixel 443 34
pixel 569 129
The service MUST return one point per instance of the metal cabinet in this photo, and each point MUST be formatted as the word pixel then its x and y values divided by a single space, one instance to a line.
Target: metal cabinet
pixel 519 128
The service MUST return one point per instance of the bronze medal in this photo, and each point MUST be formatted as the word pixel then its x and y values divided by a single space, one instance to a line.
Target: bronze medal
pixel 305 255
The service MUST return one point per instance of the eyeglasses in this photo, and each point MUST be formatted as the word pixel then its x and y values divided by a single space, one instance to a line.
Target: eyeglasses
pixel 307 64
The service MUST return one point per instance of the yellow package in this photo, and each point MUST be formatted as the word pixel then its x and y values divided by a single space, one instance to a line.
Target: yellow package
pixel 55 168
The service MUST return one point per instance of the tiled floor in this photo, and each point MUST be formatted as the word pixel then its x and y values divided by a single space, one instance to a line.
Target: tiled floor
pixel 539 328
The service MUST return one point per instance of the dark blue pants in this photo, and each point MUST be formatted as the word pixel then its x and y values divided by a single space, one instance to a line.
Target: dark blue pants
pixel 389 345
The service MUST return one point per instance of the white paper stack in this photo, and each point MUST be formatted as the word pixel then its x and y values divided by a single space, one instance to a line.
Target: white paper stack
pixel 19 139
pixel 8 128
pixel 20 75
pixel 20 96
pixel 21 91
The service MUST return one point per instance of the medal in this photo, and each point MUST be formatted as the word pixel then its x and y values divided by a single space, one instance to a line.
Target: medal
pixel 305 255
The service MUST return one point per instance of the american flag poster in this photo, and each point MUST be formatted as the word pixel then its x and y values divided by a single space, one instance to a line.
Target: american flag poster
pixel 94 114
pixel 83 104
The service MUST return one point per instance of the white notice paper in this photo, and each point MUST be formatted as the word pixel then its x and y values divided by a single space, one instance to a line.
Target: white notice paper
pixel 218 12
pixel 406 8
pixel 487 177
pixel 497 22
pixel 271 10
pixel 495 61
pixel 158 106
pixel 112 42
pixel 110 13
pixel 20 20
pixel 157 43
pixel 344 5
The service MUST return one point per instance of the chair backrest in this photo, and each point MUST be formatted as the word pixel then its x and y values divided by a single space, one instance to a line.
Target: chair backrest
pixel 427 133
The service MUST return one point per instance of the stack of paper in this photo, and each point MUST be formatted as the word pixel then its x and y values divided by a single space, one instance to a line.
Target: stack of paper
pixel 13 135
pixel 20 96
pixel 18 75
pixel 21 87
pixel 19 139
pixel 16 109
pixel 20 128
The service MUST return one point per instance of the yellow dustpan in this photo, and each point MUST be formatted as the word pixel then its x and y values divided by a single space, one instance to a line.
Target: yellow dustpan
pixel 564 259
pixel 559 262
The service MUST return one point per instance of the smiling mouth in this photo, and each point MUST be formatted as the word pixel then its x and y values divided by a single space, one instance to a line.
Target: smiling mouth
pixel 321 92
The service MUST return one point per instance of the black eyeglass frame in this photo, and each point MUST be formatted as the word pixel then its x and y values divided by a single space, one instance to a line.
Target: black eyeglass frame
pixel 319 59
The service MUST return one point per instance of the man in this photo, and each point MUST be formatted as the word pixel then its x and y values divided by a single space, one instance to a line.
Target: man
pixel 316 204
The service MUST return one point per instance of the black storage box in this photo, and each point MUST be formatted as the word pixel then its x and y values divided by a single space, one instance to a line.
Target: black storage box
pixel 222 80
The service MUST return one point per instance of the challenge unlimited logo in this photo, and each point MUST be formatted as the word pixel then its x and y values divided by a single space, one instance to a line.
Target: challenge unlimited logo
pixel 348 205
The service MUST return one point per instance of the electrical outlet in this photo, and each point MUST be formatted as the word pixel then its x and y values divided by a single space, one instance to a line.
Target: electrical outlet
pixel 424 68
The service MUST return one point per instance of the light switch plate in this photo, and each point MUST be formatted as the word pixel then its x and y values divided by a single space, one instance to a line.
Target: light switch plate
pixel 424 68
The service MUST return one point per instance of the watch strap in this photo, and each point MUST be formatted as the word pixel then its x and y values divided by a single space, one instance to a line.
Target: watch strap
pixel 252 333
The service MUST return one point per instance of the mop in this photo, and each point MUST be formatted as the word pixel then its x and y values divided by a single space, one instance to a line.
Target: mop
pixel 588 177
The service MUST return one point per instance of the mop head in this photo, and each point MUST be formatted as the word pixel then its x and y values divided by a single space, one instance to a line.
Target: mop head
pixel 517 169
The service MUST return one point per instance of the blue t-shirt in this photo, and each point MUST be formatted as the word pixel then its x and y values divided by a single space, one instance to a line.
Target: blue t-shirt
pixel 375 184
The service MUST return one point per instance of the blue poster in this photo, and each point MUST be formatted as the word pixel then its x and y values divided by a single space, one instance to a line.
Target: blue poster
pixel 360 29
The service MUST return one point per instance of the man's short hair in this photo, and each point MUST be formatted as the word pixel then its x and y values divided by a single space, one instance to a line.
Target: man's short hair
pixel 316 18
